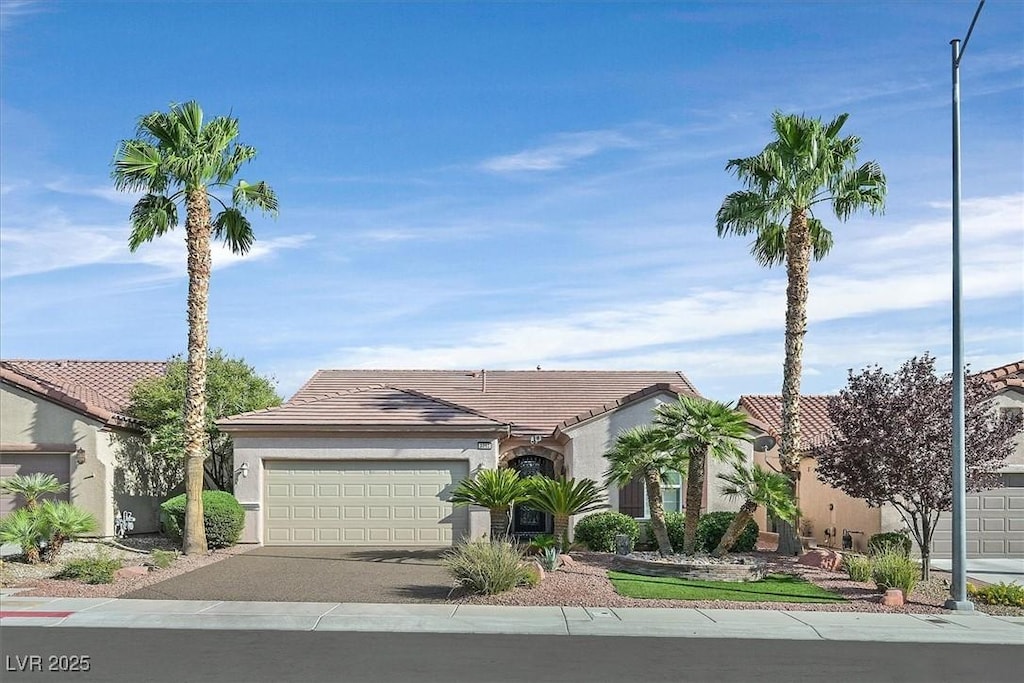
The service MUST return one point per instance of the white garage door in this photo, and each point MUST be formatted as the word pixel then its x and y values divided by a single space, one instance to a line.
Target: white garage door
pixel 397 503
pixel 995 523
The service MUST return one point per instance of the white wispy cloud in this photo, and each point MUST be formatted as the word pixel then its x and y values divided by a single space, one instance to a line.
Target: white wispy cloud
pixel 561 152
pixel 12 10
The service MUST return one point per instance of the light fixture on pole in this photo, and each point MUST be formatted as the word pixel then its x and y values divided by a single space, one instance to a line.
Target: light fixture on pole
pixel 958 587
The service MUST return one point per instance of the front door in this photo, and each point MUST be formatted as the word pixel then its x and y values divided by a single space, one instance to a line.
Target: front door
pixel 527 520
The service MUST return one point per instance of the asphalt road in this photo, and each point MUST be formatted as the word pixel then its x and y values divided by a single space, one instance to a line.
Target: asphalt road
pixel 169 656
pixel 314 574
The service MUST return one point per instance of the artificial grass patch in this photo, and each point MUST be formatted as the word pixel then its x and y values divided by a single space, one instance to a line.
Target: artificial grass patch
pixel 772 588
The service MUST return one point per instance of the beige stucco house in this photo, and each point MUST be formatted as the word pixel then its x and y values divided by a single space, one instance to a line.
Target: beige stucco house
pixel 995 518
pixel 65 418
pixel 369 457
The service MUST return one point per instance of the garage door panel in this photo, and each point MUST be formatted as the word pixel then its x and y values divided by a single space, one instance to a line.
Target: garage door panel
pixel 375 503
pixel 994 523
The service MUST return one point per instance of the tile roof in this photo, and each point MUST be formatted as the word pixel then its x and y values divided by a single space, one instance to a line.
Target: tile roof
pixel 815 426
pixel 100 389
pixel 369 406
pixel 532 401
pixel 1009 375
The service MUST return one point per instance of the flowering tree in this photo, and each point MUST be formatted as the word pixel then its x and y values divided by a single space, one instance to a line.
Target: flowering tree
pixel 892 442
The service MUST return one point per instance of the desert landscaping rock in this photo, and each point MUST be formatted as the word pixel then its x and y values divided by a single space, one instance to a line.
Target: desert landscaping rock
pixel 696 568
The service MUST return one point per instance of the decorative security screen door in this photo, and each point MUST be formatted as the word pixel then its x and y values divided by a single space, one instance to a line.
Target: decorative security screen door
pixel 526 520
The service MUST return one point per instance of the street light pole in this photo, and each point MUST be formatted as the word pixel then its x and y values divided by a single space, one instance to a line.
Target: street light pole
pixel 958 588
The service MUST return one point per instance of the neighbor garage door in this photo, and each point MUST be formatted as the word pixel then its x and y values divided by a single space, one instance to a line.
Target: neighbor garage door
pixel 362 503
pixel 59 465
pixel 995 523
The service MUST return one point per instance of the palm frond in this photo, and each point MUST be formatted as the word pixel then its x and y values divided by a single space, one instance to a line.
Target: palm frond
pixel 821 238
pixel 639 450
pixel 564 496
pixel 234 229
pixel 257 195
pixel 492 489
pixel 137 166
pixel 152 216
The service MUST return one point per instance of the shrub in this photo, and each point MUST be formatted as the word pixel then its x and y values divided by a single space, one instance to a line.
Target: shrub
pixel 1009 594
pixel 893 540
pixel 486 567
pixel 164 558
pixel 223 518
pixel 598 531
pixel 890 568
pixel 539 543
pixel 532 575
pixel 99 568
pixel 24 528
pixel 675 523
pixel 712 528
pixel 858 567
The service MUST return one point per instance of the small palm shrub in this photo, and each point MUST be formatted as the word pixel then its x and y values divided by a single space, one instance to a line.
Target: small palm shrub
pixel 712 528
pixel 890 568
pixel 223 518
pixel 1009 594
pixel 858 567
pixel 598 531
pixel 32 486
pixel 24 529
pixel 63 522
pixel 100 568
pixel 486 567
pixel 890 539
pixel 541 542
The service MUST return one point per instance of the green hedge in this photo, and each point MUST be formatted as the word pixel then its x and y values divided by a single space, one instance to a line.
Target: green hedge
pixel 893 540
pixel 223 518
pixel 598 531
pixel 713 526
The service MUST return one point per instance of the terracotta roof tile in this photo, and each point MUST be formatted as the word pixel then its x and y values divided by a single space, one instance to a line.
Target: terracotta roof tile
pixel 533 401
pixel 815 426
pixel 368 406
pixel 1009 375
pixel 100 389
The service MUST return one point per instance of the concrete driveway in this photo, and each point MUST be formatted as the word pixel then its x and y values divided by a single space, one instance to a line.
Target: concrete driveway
pixel 990 570
pixel 313 574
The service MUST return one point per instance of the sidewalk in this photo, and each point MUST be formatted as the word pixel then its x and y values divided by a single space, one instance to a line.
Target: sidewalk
pixel 560 621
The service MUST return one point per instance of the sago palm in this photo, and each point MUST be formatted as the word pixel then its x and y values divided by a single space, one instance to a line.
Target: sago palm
pixel 757 487
pixel 63 522
pixel 808 166
pixel 178 158
pixel 562 498
pixel 645 451
pixel 31 487
pixel 25 529
pixel 497 490
pixel 703 430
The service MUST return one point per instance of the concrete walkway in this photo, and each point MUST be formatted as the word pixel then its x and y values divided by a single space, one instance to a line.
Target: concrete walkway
pixel 479 619
pixel 988 571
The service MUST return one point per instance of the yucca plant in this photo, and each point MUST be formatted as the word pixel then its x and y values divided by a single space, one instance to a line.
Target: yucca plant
pixel 25 529
pixel 31 487
pixel 496 490
pixel 562 498
pixel 758 487
pixel 63 522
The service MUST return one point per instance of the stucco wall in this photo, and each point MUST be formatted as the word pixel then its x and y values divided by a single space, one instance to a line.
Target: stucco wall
pixel 254 450
pixel 1012 398
pixel 29 419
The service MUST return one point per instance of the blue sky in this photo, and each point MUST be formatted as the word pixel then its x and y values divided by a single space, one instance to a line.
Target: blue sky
pixel 511 185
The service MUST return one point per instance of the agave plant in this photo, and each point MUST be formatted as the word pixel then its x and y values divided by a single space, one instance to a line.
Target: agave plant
pixel 496 490
pixel 32 486
pixel 62 522
pixel 24 528
pixel 562 498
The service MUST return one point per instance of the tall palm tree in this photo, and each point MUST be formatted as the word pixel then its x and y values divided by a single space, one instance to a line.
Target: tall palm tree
pixel 758 487
pixel 647 452
pixel 704 430
pixel 177 158
pixel 808 164
pixel 562 498
pixel 496 490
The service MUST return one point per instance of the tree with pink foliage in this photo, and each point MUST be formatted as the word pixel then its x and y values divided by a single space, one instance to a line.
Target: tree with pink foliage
pixel 892 442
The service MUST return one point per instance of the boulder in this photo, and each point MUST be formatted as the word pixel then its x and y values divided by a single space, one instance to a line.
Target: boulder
pixel 566 561
pixel 130 572
pixel 829 560
pixel 893 598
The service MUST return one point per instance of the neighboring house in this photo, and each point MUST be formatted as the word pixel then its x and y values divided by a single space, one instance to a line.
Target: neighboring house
pixel 369 457
pixel 64 417
pixel 995 517
pixel 827 514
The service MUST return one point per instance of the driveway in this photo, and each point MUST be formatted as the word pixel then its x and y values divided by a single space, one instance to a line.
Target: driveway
pixel 313 574
pixel 990 570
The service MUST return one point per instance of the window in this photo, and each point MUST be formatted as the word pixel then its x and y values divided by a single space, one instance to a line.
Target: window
pixel 671 494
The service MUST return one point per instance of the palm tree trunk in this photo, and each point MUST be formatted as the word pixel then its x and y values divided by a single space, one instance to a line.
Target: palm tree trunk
pixel 739 523
pixel 499 524
pixel 798 264
pixel 694 501
pixel 197 226
pixel 652 480
pixel 561 532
